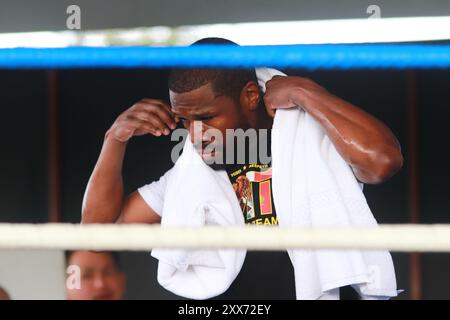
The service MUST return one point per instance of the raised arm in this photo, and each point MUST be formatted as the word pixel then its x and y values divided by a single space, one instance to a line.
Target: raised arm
pixel 365 143
pixel 104 200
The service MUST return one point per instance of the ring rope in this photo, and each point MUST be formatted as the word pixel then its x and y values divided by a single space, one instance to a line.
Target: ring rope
pixel 135 237
pixel 226 56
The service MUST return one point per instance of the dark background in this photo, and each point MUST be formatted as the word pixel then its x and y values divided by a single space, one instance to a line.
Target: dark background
pixel 89 100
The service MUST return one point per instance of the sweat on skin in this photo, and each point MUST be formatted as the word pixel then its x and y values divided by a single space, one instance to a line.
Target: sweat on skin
pixel 366 144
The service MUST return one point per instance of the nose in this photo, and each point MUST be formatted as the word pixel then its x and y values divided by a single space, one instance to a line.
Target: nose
pixel 196 129
pixel 99 282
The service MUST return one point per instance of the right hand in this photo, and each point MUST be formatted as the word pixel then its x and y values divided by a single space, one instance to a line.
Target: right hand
pixel 147 116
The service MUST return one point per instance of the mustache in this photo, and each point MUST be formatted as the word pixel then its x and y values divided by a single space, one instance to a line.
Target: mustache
pixel 211 144
pixel 211 147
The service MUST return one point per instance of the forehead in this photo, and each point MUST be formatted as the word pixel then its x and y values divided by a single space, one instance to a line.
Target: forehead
pixel 196 100
pixel 91 259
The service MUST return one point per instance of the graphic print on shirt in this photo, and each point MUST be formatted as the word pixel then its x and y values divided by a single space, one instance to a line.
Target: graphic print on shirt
pixel 253 187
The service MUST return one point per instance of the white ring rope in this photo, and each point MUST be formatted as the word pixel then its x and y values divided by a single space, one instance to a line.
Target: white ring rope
pixel 430 238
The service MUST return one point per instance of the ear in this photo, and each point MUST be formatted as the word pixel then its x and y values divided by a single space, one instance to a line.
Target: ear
pixel 250 96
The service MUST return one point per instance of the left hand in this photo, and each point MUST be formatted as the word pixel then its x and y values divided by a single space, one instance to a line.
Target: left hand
pixel 286 92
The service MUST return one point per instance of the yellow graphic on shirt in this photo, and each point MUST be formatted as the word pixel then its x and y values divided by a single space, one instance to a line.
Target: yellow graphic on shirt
pixel 254 186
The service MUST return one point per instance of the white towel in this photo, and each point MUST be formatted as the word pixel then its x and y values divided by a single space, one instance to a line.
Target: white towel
pixel 196 195
pixel 312 186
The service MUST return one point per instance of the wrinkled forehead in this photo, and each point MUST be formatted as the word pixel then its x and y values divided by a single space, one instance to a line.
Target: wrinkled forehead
pixel 203 95
pixel 196 102
pixel 92 260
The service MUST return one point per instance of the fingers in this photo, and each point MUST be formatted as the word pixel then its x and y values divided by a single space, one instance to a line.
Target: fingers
pixel 163 110
pixel 158 113
pixel 129 126
pixel 269 106
pixel 164 115
pixel 271 112
pixel 143 123
pixel 151 116
pixel 146 119
pixel 147 116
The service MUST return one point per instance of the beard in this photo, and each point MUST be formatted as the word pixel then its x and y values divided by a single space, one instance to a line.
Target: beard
pixel 219 157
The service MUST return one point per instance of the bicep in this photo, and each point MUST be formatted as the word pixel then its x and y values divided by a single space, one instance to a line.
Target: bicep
pixel 136 210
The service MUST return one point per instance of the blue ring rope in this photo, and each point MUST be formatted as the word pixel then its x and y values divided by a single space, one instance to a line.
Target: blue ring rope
pixel 287 56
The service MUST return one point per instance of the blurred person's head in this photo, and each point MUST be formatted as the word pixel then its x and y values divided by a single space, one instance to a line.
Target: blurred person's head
pixel 100 276
pixel 4 295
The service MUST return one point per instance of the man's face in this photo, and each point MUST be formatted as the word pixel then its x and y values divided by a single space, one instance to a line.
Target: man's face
pixel 100 277
pixel 214 112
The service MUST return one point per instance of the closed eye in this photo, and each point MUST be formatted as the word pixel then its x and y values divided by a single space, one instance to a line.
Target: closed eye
pixel 205 118
pixel 202 118
pixel 183 120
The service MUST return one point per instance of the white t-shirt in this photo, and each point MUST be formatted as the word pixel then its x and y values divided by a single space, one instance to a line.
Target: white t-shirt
pixel 153 193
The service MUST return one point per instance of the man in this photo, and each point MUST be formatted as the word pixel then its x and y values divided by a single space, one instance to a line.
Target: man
pixel 231 99
pixel 100 276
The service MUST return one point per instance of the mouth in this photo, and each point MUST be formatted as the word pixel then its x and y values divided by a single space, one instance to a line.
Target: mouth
pixel 208 154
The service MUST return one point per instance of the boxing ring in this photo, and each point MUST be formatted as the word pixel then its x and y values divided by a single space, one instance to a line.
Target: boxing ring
pixel 408 237
pixel 288 56
pixel 400 238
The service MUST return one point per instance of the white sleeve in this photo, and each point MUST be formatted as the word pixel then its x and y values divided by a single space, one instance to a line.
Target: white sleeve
pixel 153 193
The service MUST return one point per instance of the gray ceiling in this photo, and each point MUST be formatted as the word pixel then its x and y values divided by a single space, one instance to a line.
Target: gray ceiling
pixel 20 15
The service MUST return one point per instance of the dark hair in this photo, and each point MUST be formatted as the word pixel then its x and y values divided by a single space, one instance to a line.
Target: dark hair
pixel 68 254
pixel 225 82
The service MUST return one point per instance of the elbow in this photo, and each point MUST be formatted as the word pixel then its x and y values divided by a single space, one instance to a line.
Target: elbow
pixel 93 216
pixel 90 214
pixel 99 214
pixel 386 165
pixel 86 216
pixel 93 211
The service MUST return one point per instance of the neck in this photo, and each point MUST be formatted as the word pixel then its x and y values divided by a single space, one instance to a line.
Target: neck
pixel 262 120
